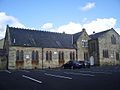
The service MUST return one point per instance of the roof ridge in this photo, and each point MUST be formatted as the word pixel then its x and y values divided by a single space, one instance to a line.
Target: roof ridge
pixel 29 29
pixel 96 35
pixel 102 31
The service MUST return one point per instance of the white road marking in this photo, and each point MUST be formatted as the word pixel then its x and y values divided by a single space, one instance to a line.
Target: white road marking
pixel 79 74
pixel 31 79
pixel 58 76
pixel 96 72
pixel 7 71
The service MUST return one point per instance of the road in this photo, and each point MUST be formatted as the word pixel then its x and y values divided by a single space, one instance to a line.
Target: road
pixel 61 79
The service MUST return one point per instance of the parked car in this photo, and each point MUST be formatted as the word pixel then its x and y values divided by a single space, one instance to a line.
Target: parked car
pixel 72 64
pixel 82 63
pixel 87 64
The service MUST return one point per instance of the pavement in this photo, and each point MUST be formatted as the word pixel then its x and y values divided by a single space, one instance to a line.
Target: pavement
pixel 95 78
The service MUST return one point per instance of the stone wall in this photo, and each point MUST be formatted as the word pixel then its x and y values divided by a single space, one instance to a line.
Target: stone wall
pixel 42 57
pixel 105 44
pixel 94 51
pixel 1 43
pixel 80 48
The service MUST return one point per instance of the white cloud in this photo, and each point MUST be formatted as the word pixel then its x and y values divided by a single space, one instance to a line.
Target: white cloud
pixel 10 20
pixel 88 6
pixel 47 26
pixel 97 25
pixel 70 28
pixel 100 24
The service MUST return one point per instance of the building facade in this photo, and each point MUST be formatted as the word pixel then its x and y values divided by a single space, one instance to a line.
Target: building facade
pixel 29 49
pixel 32 49
pixel 104 47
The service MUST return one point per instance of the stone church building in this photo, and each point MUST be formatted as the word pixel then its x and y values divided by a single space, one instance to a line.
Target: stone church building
pixel 31 49
pixel 104 47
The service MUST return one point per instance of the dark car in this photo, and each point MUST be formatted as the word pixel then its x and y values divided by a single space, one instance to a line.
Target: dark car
pixel 87 64
pixel 72 64
pixel 82 63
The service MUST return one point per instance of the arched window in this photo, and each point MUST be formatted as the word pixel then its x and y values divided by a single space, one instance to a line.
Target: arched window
pixel 50 55
pixel 62 55
pixel 59 57
pixel 22 55
pixel 37 56
pixel 47 55
pixel 117 56
pixel 72 55
pixel 17 55
pixel 33 55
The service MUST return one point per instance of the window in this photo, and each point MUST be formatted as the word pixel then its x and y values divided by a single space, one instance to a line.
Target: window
pixel 84 43
pixel 19 55
pixel 113 39
pixel 105 54
pixel 49 56
pixel 72 55
pixel 22 55
pixel 61 55
pixel 35 55
pixel 85 55
pixel 117 56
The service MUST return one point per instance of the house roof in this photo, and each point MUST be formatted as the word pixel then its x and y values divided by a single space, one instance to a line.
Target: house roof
pixel 97 35
pixel 76 36
pixel 36 38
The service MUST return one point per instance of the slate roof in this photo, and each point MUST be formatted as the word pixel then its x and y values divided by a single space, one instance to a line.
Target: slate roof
pixel 97 35
pixel 36 38
pixel 76 36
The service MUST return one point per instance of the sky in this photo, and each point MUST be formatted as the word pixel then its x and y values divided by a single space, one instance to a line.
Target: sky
pixel 68 16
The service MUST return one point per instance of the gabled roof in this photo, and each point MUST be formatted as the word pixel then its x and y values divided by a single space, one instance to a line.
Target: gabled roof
pixel 76 36
pixel 97 35
pixel 36 38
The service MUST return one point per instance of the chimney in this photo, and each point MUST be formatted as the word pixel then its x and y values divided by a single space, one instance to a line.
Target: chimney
pixel 93 32
pixel 83 30
pixel 63 32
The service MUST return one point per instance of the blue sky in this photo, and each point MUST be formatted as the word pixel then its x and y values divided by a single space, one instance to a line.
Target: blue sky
pixel 69 16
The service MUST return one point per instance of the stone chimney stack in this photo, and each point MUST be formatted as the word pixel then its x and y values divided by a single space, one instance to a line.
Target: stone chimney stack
pixel 93 32
pixel 83 29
